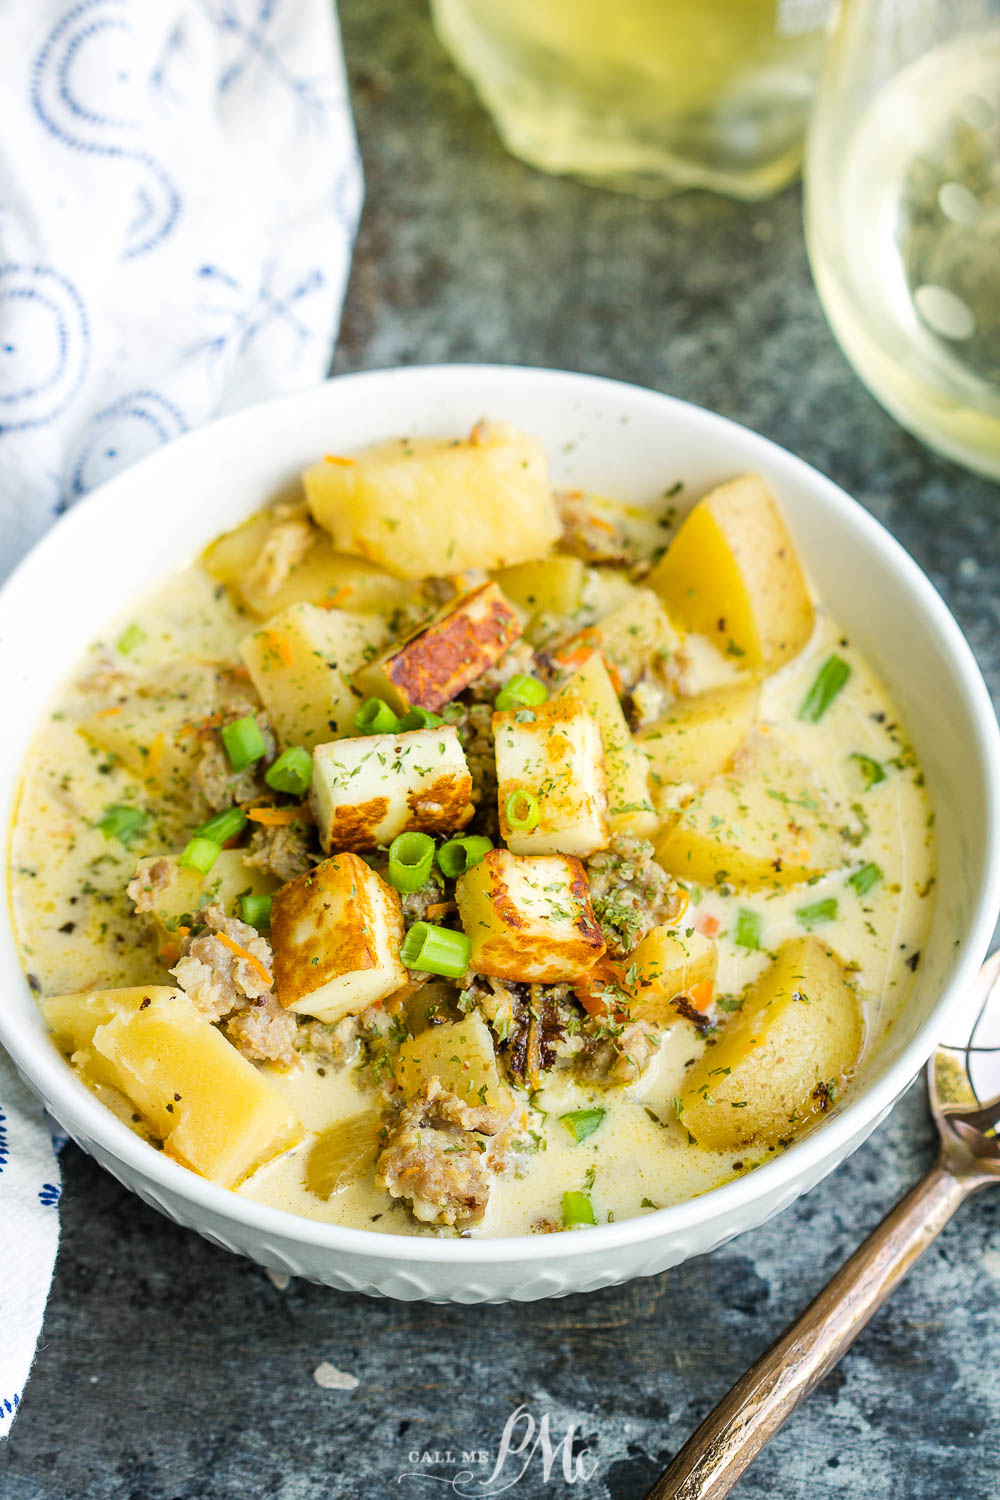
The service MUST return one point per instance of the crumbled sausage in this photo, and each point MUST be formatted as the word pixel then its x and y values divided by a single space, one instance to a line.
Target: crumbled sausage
pixel 226 985
pixel 143 889
pixel 630 892
pixel 588 535
pixel 435 1157
pixel 616 1056
pixel 220 785
pixel 285 545
pixel 282 851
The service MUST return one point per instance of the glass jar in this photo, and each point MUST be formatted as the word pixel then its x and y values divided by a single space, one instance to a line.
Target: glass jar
pixel 647 96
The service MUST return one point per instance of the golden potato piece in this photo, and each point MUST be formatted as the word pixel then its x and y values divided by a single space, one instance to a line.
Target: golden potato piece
pixel 667 963
pixel 437 663
pixel 553 585
pixel 696 737
pixel 462 1055
pixel 213 1110
pixel 783 1058
pixel 429 507
pixel 731 574
pixel 342 1154
pixel 765 823
pixel 301 663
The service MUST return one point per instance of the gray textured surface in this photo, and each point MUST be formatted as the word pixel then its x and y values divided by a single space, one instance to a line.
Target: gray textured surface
pixel 170 1370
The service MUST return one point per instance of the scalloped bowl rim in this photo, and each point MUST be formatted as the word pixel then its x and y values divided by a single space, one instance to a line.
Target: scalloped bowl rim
pixel 81 1112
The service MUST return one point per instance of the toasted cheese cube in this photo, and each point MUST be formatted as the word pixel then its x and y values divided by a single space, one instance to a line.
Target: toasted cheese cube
pixel 428 507
pixel 301 663
pixel 335 935
pixel 628 638
pixel 367 789
pixel 213 1110
pixel 184 891
pixel 442 658
pixel 554 753
pixel 529 917
pixel 630 808
pixel 667 963
pixel 462 1055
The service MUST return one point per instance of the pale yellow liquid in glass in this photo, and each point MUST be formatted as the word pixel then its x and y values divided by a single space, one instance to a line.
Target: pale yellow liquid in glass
pixel 647 95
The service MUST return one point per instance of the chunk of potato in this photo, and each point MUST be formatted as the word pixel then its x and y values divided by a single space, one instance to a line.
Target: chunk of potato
pixel 628 638
pixel 766 823
pixel 696 738
pixel 780 1061
pixel 150 730
pixel 553 585
pixel 319 575
pixel 462 1055
pixel 301 663
pixel 428 507
pixel 665 964
pixel 731 574
pixel 529 917
pixel 630 809
pixel 553 754
pixel 336 933
pixel 184 891
pixel 213 1110
pixel 441 659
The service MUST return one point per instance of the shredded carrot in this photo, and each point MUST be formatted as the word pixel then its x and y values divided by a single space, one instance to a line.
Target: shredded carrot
pixel 279 817
pixel 107 713
pixel 340 597
pixel 707 925
pixel 155 754
pixel 170 951
pixel 337 458
pixel 700 994
pixel 440 908
pixel 683 902
pixel 590 989
pixel 254 963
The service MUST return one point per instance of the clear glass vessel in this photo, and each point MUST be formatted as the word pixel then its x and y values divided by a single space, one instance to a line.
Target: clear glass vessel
pixel 903 213
pixel 645 95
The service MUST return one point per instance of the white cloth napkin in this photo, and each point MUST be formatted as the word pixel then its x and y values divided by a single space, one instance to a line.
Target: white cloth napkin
pixel 179 191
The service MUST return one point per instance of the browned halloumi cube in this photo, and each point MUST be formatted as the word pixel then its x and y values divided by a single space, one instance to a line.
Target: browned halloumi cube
pixel 554 754
pixel 440 660
pixel 529 917
pixel 367 789
pixel 335 934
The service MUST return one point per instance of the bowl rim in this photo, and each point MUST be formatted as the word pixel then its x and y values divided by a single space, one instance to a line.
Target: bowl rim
pixel 48 1074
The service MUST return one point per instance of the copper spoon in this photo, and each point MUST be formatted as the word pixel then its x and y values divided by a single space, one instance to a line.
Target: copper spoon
pixel 958 1078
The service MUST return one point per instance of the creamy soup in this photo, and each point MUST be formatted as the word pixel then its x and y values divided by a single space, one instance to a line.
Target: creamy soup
pixel 441 855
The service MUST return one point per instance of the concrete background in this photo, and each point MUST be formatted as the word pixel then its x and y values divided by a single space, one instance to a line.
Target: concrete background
pixel 172 1371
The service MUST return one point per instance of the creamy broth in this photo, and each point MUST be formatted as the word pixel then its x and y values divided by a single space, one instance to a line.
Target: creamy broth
pixel 78 931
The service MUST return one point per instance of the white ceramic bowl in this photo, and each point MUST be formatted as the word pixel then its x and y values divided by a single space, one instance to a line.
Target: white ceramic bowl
pixel 613 438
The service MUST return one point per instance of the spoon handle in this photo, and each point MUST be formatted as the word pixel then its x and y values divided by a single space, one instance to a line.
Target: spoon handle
pixel 732 1435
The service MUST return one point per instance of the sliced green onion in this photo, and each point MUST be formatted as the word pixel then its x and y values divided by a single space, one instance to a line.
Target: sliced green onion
pixel 121 823
pixel 863 879
pixel 577 1209
pixel 522 811
pixel 243 742
pixel 827 683
pixel 747 931
pixel 872 770
pixel 521 692
pixel 200 854
pixel 583 1122
pixel 459 855
pixel 410 858
pixel 291 772
pixel 130 639
pixel 819 911
pixel 256 910
pixel 436 950
pixel 375 717
pixel 224 826
pixel 419 718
